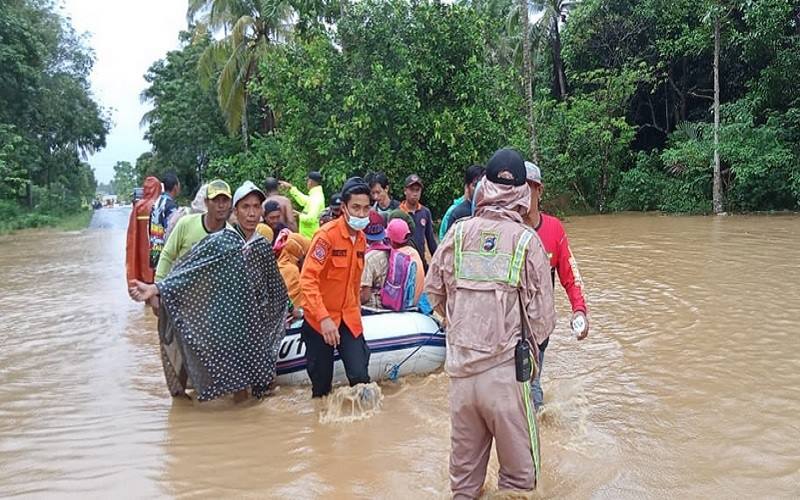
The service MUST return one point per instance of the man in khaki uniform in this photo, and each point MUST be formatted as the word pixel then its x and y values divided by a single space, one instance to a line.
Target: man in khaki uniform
pixel 487 269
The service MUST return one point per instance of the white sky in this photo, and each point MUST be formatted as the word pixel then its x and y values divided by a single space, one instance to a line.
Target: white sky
pixel 127 37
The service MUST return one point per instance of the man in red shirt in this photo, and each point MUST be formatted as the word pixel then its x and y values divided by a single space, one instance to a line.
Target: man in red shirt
pixel 331 286
pixel 556 244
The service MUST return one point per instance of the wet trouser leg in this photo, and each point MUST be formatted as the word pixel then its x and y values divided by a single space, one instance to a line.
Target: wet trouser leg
pixel 319 361
pixel 538 393
pixel 484 406
pixel 355 356
pixel 470 440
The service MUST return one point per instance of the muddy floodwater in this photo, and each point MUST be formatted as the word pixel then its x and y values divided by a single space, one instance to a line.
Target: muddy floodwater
pixel 688 386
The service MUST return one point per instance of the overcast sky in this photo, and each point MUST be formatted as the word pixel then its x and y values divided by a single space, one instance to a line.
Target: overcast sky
pixel 127 37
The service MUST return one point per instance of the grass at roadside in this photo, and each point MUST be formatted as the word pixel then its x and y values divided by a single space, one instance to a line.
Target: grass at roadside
pixel 69 222
pixel 75 222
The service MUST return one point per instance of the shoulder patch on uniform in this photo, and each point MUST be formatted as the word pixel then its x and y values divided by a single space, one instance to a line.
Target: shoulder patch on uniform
pixel 424 222
pixel 321 250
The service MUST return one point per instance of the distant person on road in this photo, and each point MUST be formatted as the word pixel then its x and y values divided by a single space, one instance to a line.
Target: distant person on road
pixel 312 203
pixel 423 220
pixel 285 205
pixel 137 246
pixel 160 215
pixel 556 244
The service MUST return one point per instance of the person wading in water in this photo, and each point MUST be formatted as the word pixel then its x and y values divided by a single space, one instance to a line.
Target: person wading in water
pixel 137 247
pixel 330 283
pixel 224 305
pixel 490 279
pixel 556 244
pixel 190 229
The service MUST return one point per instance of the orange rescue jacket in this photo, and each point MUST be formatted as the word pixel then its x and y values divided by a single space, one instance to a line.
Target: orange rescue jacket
pixel 331 277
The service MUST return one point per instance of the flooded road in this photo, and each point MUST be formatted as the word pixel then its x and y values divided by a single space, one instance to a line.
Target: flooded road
pixel 688 386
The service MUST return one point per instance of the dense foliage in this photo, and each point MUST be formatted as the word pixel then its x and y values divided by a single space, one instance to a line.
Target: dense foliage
pixel 49 121
pixel 622 99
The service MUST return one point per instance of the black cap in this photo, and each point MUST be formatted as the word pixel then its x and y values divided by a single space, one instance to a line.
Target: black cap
pixel 352 184
pixel 336 200
pixel 414 179
pixel 507 167
pixel 315 176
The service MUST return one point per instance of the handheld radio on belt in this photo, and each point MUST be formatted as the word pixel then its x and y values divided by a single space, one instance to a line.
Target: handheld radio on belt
pixel 522 353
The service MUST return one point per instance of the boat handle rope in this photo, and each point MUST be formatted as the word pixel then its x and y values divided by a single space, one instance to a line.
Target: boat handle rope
pixel 394 372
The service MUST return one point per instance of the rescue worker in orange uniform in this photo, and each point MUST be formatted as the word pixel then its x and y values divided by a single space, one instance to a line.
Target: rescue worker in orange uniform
pixel 330 283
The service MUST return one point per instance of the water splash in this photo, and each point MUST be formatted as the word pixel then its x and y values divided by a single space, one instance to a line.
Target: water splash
pixel 351 404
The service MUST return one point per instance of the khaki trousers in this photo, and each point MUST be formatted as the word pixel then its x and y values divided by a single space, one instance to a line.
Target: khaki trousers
pixel 486 407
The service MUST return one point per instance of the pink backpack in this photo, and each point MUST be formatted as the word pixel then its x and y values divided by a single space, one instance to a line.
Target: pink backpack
pixel 399 288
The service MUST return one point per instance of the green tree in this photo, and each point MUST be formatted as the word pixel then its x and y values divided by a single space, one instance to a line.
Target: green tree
pixel 48 118
pixel 402 88
pixel 184 126
pixel 124 180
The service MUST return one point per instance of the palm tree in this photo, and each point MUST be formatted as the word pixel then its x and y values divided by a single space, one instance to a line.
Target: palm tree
pixel 556 11
pixel 548 15
pixel 527 77
pixel 251 28
pixel 717 186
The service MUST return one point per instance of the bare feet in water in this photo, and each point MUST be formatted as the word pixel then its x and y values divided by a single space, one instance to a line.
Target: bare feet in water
pixel 240 396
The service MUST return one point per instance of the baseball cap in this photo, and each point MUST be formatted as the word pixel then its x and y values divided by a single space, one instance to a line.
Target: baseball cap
pixel 336 200
pixel 352 184
pixel 506 167
pixel 315 176
pixel 414 179
pixel 532 173
pixel 217 187
pixel 376 230
pixel 245 189
pixel 398 231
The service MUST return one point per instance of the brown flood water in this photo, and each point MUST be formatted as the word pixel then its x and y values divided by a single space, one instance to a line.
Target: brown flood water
pixel 688 387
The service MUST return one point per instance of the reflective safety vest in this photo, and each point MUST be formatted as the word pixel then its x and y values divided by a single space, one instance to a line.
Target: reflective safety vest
pixel 492 262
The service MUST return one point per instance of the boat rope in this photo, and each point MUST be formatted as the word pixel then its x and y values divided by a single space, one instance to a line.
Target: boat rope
pixel 394 372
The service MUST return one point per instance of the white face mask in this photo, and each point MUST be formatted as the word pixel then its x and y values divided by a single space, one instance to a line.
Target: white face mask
pixel 355 223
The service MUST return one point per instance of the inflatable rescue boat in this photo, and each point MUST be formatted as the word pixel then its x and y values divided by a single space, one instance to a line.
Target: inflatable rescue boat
pixel 400 343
